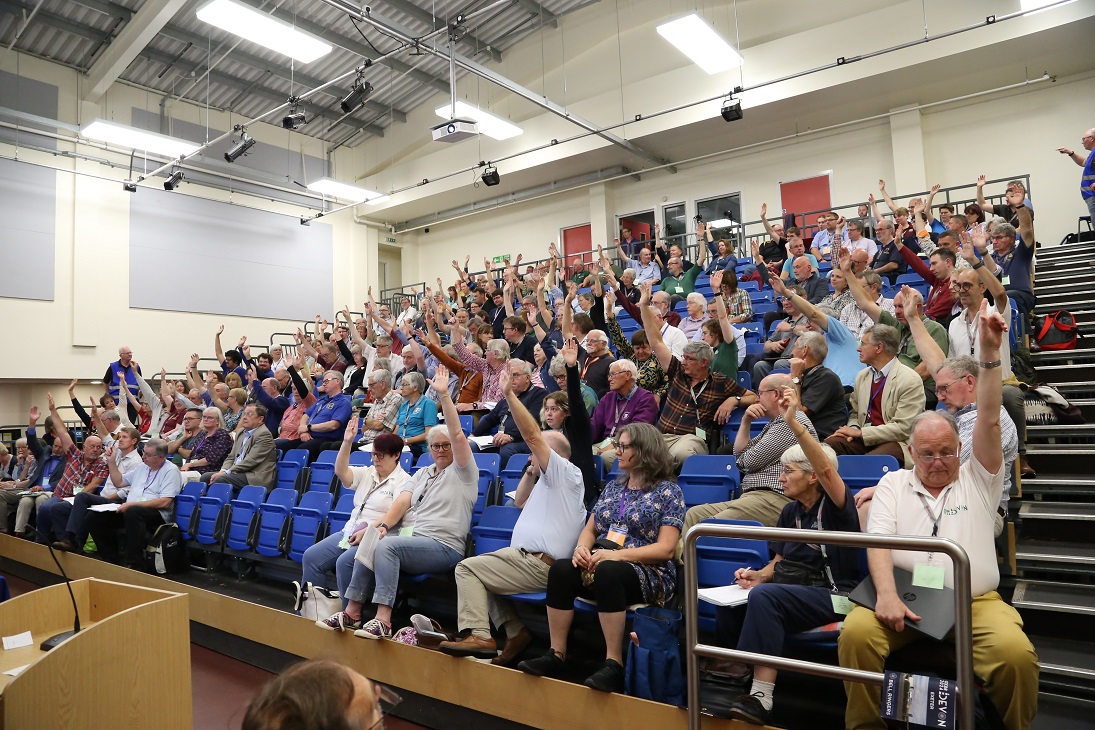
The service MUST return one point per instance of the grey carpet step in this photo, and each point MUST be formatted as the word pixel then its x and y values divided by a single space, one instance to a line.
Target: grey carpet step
pixel 1077 555
pixel 1066 657
pixel 1084 433
pixel 1059 485
pixel 1052 596
pixel 1031 510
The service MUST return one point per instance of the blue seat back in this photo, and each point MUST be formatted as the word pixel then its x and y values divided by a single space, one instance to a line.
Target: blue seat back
pixel 326 457
pixel 299 456
pixel 309 517
pixel 489 466
pixel 287 473
pixel 340 513
pixel 467 423
pixel 745 380
pixel 210 505
pixel 361 458
pixel 511 475
pixel 495 528
pixel 864 471
pixel 185 503
pixel 244 509
pixel 708 479
pixel 272 515
pixel 405 460
pixel 320 476
pixel 718 557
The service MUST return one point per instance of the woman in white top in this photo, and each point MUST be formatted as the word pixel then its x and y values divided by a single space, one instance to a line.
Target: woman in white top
pixel 375 487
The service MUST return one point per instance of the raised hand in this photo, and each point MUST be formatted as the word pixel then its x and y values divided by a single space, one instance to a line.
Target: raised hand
pixel 912 296
pixel 981 180
pixel 220 330
pixel 570 352
pixel 777 285
pixel 34 416
pixel 194 360
pixel 980 239
pixel 644 293
pixel 110 451
pixel 882 185
pixel 716 280
pixel 246 350
pixel 50 401
pixel 763 210
pixel 789 403
pixel 504 381
pixel 992 328
pixel 242 342
pixel 440 380
pixel 350 434
pixel 870 199
pixel 936 188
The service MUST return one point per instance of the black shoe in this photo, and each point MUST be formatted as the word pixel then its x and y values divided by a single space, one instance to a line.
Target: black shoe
pixel 64 546
pixel 549 665
pixel 609 678
pixel 749 708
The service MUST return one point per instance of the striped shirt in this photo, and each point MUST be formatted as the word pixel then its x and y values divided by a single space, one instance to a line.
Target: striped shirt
pixel 759 460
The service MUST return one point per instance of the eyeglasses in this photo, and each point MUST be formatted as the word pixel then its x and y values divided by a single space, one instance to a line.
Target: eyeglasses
pixel 386 700
pixel 941 388
pixel 962 286
pixel 999 236
pixel 620 446
pixel 614 373
pixel 762 391
pixel 441 448
pixel 327 380
pixel 928 458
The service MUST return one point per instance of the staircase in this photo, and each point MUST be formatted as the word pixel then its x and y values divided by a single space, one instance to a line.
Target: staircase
pixel 1054 585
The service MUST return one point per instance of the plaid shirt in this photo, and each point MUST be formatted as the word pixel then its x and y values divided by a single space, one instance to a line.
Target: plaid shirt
pixel 78 473
pixel 759 460
pixel 679 416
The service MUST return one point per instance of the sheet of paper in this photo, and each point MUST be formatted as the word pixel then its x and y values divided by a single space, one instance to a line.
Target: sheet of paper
pixel 110 507
pixel 512 495
pixel 365 548
pixel 17 641
pixel 15 672
pixel 70 500
pixel 484 442
pixel 732 595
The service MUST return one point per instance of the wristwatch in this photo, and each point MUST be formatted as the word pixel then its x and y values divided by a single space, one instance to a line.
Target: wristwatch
pixel 978 265
pixel 796 380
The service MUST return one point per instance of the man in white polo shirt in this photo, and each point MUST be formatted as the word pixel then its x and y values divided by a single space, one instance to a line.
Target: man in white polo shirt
pixel 942 497
pixel 552 515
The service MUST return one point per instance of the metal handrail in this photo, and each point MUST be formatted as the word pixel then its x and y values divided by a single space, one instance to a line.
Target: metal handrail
pixel 963 621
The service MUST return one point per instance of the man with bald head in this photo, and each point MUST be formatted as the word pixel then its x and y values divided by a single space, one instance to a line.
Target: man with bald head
pixel 941 496
pixel 550 496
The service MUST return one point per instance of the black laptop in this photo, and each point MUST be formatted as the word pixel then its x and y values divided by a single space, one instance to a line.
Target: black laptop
pixel 934 606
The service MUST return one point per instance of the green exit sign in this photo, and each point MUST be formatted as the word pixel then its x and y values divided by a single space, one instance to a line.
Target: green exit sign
pixel 391 240
pixel 500 259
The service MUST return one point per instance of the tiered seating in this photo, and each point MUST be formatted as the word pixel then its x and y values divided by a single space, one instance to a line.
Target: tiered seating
pixel 340 513
pixel 708 479
pixel 185 504
pixel 864 471
pixel 489 471
pixel 511 474
pixel 495 528
pixel 309 519
pixel 241 519
pixel 210 505
pixel 718 557
pixel 272 516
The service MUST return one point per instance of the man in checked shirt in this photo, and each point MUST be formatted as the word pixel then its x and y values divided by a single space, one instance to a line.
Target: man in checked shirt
pixel 762 497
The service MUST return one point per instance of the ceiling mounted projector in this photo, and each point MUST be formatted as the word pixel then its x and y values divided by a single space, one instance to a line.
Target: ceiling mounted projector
pixel 455 130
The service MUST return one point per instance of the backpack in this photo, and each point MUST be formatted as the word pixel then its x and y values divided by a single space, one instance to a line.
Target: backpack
pixel 653 666
pixel 1057 331
pixel 166 551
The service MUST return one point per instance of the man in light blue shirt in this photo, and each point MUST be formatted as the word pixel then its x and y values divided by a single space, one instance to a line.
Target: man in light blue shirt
pixel 149 492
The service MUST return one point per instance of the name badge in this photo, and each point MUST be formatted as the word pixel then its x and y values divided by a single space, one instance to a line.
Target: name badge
pixel 1006 281
pixel 841 605
pixel 406 531
pixel 926 575
pixel 701 434
pixel 617 534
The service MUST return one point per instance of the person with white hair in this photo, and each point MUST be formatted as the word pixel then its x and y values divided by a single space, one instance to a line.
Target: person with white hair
pixel 1087 177
pixel 696 306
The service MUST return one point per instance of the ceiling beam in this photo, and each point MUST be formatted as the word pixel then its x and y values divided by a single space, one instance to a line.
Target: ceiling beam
pixel 17 7
pixel 220 77
pixel 435 23
pixel 537 9
pixel 137 33
pixel 304 81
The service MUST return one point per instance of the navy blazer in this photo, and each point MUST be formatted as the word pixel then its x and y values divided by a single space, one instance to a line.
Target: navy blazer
pixel 39 452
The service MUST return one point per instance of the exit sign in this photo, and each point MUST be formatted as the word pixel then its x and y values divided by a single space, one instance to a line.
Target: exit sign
pixel 500 259
pixel 391 240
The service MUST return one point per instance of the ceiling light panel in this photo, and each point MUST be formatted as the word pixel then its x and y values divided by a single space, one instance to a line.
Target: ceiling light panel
pixel 257 27
pixel 101 130
pixel 490 125
pixel 699 41
pixel 342 191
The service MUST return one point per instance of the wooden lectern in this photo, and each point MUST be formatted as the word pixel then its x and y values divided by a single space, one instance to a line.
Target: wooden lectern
pixel 129 667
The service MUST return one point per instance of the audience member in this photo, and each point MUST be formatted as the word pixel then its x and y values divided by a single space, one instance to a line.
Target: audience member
pixel 774 250
pixel 854 317
pixel 914 502
pixel 122 371
pixel 940 301
pixel 626 402
pixel 887 397
pixel 1012 261
pixel 253 459
pixel 46 474
pixel 321 426
pixel 439 499
pixel 821 393
pixel 739 306
pixel 508 439
pixel 650 376
pixel 623 557
pixel 84 470
pixel 842 356
pixel 696 311
pixel 416 415
pixel 888 261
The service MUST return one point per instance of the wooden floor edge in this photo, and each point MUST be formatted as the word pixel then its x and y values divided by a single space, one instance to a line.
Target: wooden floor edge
pixel 498 691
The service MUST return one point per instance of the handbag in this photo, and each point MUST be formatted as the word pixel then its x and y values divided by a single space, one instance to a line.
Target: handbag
pixel 316 602
pixel 789 572
pixel 653 665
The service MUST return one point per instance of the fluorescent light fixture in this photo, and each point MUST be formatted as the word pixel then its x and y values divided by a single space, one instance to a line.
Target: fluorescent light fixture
pixel 722 223
pixel 257 27
pixel 699 41
pixel 490 125
pixel 342 191
pixel 1031 7
pixel 138 139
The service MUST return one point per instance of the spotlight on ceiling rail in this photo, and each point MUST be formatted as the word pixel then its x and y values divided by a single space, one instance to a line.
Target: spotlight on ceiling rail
pixel 240 148
pixel 357 95
pixel 173 180
pixel 296 120
pixel 731 109
pixel 490 176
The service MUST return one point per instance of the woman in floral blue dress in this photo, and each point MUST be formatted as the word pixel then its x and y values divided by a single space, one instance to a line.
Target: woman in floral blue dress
pixel 624 555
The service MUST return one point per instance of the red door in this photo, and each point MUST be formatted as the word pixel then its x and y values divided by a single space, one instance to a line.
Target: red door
pixel 578 240
pixel 802 196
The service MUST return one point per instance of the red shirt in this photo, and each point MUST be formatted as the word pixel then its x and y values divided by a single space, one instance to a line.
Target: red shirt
pixel 78 472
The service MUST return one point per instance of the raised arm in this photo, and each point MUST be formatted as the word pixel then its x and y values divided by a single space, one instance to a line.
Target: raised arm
pixel 524 421
pixel 1026 225
pixel 342 461
pixel 811 312
pixel 653 334
pixel 886 196
pixel 928 216
pixel 981 197
pixel 862 296
pixel 986 429
pixel 931 355
pixel 60 432
pixel 826 472
pixel 874 208
pixel 217 344
pixel 720 306
pixel 767 226
pixel 987 273
pixel 461 450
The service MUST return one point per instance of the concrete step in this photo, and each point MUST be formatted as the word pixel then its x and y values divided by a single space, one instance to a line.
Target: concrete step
pixel 1042 595
pixel 1042 510
pixel 1067 556
pixel 1056 372
pixel 1063 357
pixel 1077 284
pixel 1060 486
pixel 1084 433
pixel 1076 389
pixel 1066 657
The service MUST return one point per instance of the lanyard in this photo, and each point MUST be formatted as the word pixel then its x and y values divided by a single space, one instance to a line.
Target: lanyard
pixel 624 503
pixel 696 397
pixel 821 545
pixel 151 478
pixel 589 361
pixel 971 333
pixel 932 516
pixel 425 490
pixel 617 408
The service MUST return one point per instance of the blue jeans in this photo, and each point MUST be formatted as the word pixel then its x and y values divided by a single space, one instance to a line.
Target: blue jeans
pixel 324 556
pixel 52 518
pixel 393 555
